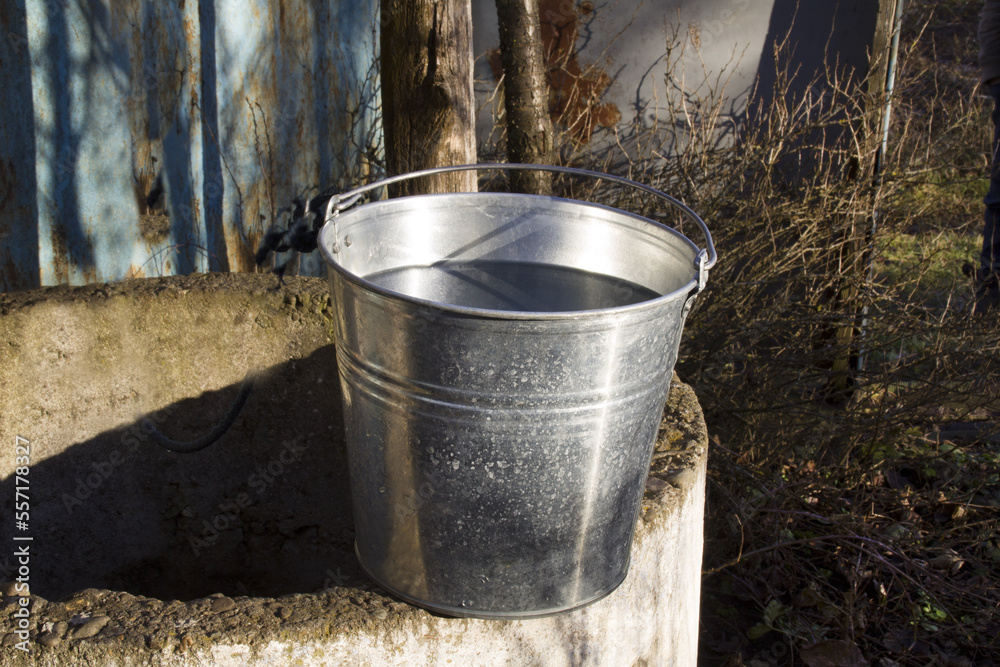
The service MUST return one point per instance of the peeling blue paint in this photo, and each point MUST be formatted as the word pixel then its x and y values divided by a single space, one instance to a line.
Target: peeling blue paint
pixel 233 107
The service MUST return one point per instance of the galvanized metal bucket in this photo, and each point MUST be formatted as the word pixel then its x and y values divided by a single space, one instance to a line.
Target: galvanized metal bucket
pixel 504 360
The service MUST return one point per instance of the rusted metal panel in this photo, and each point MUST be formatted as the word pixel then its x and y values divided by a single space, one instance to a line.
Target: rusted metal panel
pixel 80 142
pixel 152 138
pixel 294 107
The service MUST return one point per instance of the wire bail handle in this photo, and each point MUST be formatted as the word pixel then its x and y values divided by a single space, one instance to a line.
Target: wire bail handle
pixel 706 259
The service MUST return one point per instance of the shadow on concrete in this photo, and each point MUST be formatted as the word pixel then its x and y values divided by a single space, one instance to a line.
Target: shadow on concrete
pixel 265 511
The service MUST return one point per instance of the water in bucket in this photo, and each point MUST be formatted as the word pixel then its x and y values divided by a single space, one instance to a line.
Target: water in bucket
pixel 512 286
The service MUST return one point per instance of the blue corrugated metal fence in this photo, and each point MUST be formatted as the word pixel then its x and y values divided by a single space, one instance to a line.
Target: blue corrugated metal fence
pixel 150 138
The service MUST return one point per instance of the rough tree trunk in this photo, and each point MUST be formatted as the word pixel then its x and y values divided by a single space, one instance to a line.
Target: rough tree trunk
pixel 428 112
pixel 526 94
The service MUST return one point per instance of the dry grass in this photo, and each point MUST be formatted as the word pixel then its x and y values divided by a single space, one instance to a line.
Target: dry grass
pixel 852 400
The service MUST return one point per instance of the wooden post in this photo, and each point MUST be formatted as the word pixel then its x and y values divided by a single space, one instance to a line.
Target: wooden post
pixel 526 93
pixel 428 110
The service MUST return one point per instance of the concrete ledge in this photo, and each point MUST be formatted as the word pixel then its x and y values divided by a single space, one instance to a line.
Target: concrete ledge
pixel 242 554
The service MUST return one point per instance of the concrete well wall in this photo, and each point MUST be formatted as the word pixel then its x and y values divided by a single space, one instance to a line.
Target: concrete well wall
pixel 242 554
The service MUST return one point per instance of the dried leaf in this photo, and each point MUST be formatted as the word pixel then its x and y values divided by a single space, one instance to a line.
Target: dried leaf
pixel 949 560
pixel 896 531
pixel 944 512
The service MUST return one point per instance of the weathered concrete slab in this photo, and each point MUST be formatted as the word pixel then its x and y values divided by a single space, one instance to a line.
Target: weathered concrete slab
pixel 243 554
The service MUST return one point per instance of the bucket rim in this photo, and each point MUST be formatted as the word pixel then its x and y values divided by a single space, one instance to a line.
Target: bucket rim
pixel 691 287
pixel 344 200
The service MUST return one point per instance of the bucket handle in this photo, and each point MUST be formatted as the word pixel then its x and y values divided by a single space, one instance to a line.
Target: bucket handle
pixel 705 260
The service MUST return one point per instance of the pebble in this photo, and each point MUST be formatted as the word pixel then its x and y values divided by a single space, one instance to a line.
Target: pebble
pixel 91 627
pixel 79 602
pixel 222 604
pixel 685 479
pixel 656 484
pixel 10 589
pixel 60 628
pixel 381 614
pixel 49 639
pixel 113 630
pixel 9 640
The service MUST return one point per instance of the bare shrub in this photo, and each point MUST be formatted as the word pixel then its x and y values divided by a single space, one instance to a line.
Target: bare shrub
pixel 851 398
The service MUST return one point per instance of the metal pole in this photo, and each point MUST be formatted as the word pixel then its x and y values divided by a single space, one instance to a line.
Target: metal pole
pixel 890 81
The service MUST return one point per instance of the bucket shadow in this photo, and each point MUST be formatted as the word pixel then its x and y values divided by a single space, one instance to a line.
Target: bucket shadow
pixel 265 511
